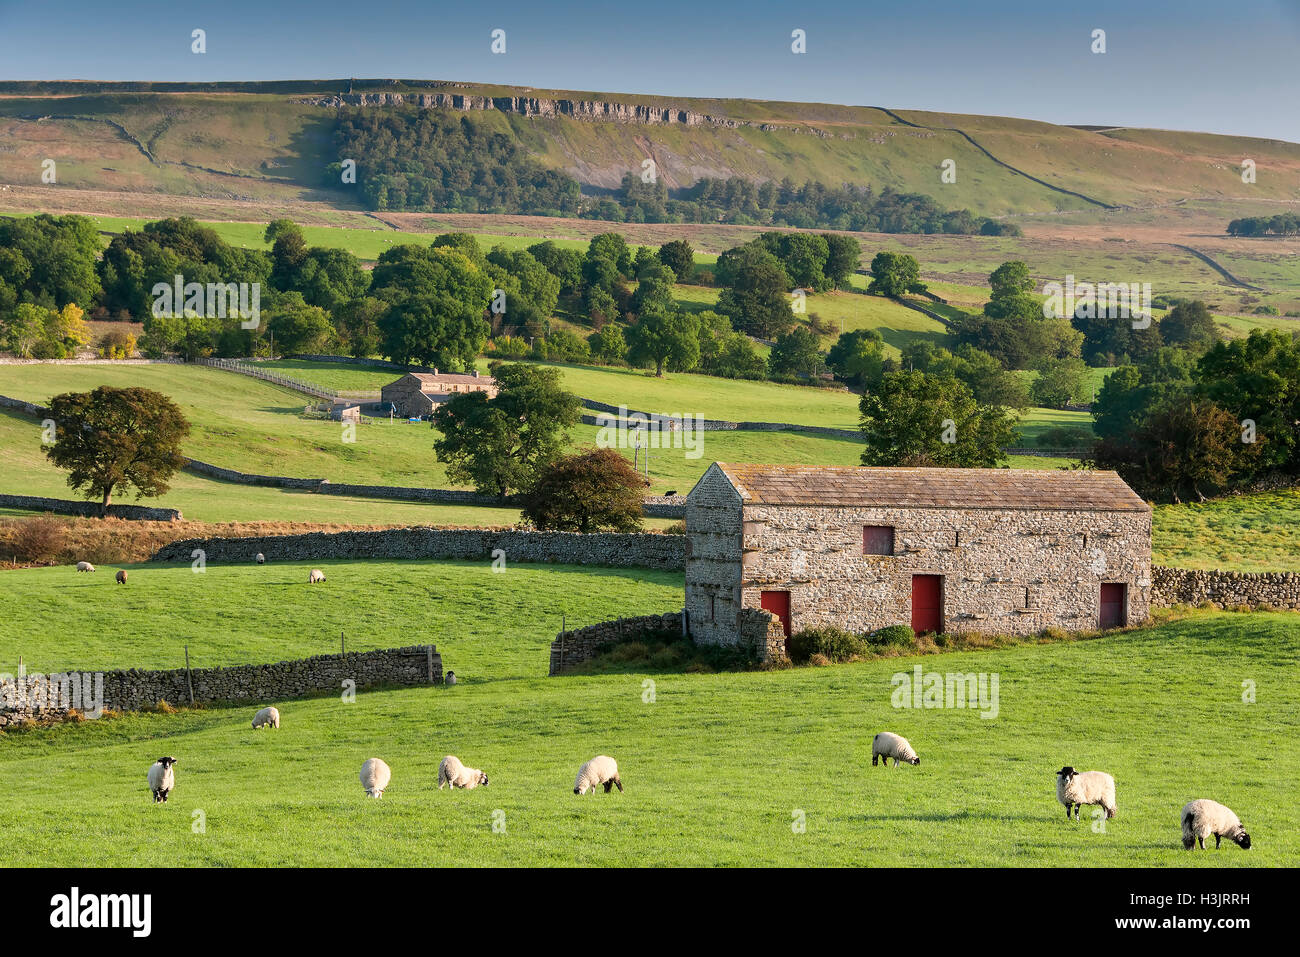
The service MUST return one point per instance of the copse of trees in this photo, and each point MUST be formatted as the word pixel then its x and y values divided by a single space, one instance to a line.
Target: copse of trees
pixel 1176 427
pixel 437 302
pixel 413 159
pixel 895 274
pixel 923 420
pixel 1283 224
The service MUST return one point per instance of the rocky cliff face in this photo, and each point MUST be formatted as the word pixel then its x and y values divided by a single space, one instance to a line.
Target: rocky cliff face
pixel 596 110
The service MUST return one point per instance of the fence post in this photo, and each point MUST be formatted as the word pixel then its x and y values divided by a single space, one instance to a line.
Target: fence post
pixel 189 682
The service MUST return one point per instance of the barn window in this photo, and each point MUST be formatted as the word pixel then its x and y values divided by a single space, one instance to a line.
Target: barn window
pixel 877 539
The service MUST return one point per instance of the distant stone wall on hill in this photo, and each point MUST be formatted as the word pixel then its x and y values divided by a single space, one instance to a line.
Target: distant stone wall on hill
pixel 610 549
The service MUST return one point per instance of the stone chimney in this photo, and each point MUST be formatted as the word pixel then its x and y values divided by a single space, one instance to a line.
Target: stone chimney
pixel 475 373
pixel 435 371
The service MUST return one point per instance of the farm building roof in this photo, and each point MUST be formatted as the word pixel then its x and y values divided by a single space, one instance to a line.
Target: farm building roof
pixel 429 378
pixel 932 487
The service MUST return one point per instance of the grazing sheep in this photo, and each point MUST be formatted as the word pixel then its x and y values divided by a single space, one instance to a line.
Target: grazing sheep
pixel 1076 788
pixel 452 772
pixel 121 576
pixel 85 567
pixel 450 679
pixel 889 745
pixel 1203 818
pixel 261 559
pixel 316 576
pixel 161 779
pixel 599 770
pixel 267 717
pixel 375 775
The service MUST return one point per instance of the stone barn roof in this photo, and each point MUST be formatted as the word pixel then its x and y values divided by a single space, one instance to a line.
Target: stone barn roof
pixel 837 486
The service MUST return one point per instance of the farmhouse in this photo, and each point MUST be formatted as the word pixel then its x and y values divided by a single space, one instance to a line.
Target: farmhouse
pixel 416 393
pixel 957 550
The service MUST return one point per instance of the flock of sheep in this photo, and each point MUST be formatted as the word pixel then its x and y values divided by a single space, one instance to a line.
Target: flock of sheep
pixel 376 774
pixel 1200 819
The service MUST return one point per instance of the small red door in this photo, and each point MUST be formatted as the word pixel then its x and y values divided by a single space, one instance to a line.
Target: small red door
pixel 927 603
pixel 1113 604
pixel 778 603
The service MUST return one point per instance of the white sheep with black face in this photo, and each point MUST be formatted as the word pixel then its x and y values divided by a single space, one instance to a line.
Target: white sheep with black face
pixel 600 770
pixel 261 559
pixel 162 778
pixel 1204 817
pixel 375 775
pixel 1076 788
pixel 889 745
pixel 451 771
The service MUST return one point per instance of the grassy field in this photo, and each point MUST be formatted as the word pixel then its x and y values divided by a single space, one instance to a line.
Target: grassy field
pixel 1259 532
pixel 717 767
pixel 484 623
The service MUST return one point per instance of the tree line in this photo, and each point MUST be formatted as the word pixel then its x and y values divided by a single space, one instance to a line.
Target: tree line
pixel 437 161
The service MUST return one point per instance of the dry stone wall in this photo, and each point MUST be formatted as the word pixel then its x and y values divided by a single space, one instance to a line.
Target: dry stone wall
pixel 619 550
pixel 1187 586
pixel 571 648
pixel 63 506
pixel 30 697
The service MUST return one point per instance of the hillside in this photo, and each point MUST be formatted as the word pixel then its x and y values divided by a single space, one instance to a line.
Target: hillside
pixel 271 142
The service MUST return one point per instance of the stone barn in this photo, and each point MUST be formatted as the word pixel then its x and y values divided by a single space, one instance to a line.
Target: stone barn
pixel 1009 551
pixel 416 393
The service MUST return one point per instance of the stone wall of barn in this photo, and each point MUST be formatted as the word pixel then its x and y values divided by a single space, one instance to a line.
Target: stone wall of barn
pixel 1004 571
pixel 713 560
pixel 49 697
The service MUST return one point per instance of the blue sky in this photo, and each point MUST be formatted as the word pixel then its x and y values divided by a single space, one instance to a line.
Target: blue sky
pixel 1214 66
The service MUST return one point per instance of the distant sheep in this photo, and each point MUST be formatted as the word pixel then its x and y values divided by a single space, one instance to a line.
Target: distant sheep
pixel 450 679
pixel 452 772
pixel 316 576
pixel 889 745
pixel 1076 788
pixel 267 718
pixel 85 567
pixel 375 775
pixel 121 576
pixel 261 559
pixel 599 770
pixel 1203 818
pixel 162 778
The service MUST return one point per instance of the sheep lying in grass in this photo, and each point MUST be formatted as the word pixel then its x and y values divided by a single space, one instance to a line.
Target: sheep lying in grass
pixel 889 745
pixel 121 576
pixel 452 772
pixel 1203 817
pixel 1076 788
pixel 267 717
pixel 599 770
pixel 316 576
pixel 162 779
pixel 85 567
pixel 375 775
pixel 261 559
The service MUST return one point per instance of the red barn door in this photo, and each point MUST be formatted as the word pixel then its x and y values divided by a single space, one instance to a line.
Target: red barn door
pixel 778 603
pixel 1113 605
pixel 927 603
